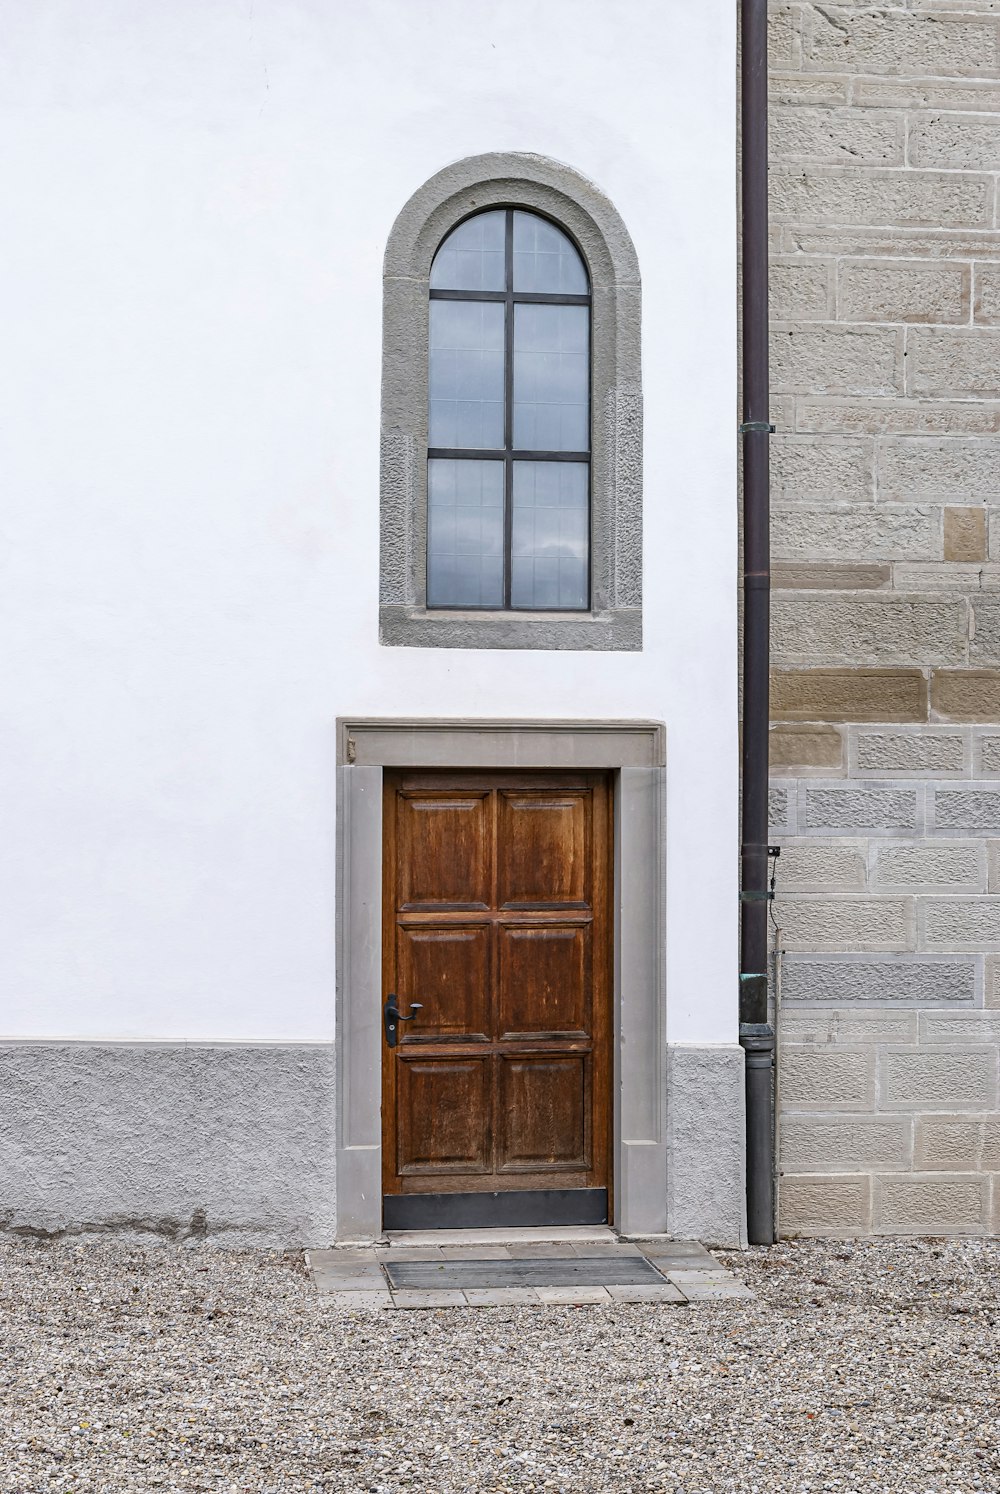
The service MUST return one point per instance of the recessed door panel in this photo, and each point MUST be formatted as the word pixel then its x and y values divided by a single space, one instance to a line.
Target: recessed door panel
pixel 447 969
pixel 543 1107
pixel 445 845
pixel 544 980
pixel 542 850
pixel 443 1114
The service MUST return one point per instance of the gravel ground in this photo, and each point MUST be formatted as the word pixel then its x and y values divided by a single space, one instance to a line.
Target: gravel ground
pixel 868 1368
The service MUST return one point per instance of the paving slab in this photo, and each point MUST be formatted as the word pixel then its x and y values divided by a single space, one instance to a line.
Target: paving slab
pixel 502 1297
pixel 429 1299
pixel 573 1296
pixel 360 1301
pixel 668 1292
pixel 404 1253
pixel 703 1286
pixel 330 1281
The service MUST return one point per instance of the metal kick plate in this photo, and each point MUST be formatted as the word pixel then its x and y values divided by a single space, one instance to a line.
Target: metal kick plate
pixel 608 1270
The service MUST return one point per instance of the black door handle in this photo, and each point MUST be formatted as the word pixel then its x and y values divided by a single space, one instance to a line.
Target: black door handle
pixel 392 1016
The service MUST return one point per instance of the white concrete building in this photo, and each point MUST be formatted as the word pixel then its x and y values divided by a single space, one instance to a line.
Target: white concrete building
pixel 283 720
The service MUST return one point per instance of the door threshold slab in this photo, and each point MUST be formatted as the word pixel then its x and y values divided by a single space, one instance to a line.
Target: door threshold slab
pixel 576 1234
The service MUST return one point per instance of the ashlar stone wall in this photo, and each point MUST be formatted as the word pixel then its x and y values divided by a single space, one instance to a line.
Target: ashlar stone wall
pixel 885 168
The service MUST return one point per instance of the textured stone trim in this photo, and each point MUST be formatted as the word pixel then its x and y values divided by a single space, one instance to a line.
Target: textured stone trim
pixel 559 192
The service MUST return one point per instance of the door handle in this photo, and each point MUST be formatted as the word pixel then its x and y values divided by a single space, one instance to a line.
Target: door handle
pixel 392 1016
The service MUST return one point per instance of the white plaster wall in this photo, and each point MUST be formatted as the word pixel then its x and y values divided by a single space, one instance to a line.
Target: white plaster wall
pixel 197 196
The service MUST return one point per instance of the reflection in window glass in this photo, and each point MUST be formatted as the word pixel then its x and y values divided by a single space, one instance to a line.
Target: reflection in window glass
pixel 472 256
pixel 545 259
pixel 550 540
pixel 466 374
pixel 465 533
pixel 551 378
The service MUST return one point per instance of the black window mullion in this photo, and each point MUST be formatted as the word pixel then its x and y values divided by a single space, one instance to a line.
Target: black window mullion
pixel 508 406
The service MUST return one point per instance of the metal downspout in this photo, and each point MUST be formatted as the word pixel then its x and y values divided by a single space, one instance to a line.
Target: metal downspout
pixel 756 1033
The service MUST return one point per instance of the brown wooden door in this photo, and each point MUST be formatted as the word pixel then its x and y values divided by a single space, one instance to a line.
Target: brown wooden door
pixel 495 1103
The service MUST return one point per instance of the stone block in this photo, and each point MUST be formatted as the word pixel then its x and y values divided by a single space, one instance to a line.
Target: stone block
pixel 795 88
pixel 800 290
pixel 945 1079
pixel 908 753
pixel 858 1143
pixel 911 982
pixel 993 865
pixel 897 291
pixel 828 1078
pixel 962 142
pixel 835 359
pixel 984 646
pixel 979 96
pixel 790 575
pixel 965 534
pixel 991 983
pixel 935 1205
pixel 888 241
pixel 841 1026
pixel 961 1027
pixel 967 809
pixel 904 532
pixel 810 469
pixel 857 807
pixel 960 923
pixel 986 755
pixel 779 810
pixel 837 136
pixel 952 1143
pixel 986 301
pixel 951 362
pixel 860 923
pixel 795 748
pixel 993 532
pixel 822 866
pixel 783 47
pixel 959 577
pixel 939 470
pixel 866 630
pixel 842 195
pixel 942 866
pixel 849 695
pixel 890 43
pixel 965 695
pixel 897 417
pixel 824 1205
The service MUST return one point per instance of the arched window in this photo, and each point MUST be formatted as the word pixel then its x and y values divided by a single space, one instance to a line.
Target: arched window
pixel 511 477
pixel 508 475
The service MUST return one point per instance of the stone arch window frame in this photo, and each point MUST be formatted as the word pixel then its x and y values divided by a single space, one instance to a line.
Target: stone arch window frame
pixel 557 192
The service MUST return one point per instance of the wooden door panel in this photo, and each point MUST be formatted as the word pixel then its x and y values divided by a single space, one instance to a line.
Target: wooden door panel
pixel 444 852
pixel 542 850
pixel 497 920
pixel 447 969
pixel 443 1114
pixel 543 1106
pixel 544 981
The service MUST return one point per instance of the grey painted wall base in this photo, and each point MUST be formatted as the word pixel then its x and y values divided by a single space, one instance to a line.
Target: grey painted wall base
pixel 706 1144
pixel 229 1143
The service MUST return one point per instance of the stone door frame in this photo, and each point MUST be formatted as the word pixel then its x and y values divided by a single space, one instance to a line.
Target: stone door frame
pixel 635 752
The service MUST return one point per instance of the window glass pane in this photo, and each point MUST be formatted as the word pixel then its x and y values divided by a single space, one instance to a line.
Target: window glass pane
pixel 464 533
pixel 545 259
pixel 471 257
pixel 550 549
pixel 466 373
pixel 551 378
